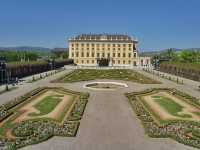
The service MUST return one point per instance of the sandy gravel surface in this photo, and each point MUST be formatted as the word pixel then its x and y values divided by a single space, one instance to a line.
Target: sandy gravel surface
pixel 29 107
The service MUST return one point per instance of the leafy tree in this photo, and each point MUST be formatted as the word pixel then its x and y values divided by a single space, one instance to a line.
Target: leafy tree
pixel 185 56
pixel 11 56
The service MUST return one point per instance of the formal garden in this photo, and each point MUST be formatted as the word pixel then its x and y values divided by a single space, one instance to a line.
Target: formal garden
pixel 168 113
pixel 115 74
pixel 39 115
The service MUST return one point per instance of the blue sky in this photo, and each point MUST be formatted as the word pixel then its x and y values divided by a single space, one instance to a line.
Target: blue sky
pixel 158 24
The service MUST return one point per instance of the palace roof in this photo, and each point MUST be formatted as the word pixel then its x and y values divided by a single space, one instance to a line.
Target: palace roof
pixel 103 37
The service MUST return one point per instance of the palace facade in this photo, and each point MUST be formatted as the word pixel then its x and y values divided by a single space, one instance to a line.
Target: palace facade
pixel 105 50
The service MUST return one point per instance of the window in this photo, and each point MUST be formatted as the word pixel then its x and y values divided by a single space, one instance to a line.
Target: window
pixel 88 48
pixel 124 45
pixel 134 63
pixel 123 61
pixel 118 45
pixel 134 47
pixel 77 54
pixel 82 61
pixel 108 48
pixel 77 45
pixel 92 61
pixel 134 54
pixel 118 61
pixel 129 45
pixel 113 45
pixel 87 61
pixel 102 54
pixel 97 45
pixel 113 61
pixel 72 54
pixel 124 54
pixel 88 44
pixel 129 49
pixel 82 54
pixel 129 62
pixel 113 48
pixel 113 54
pixel 82 44
pixel 108 45
pixel 97 54
pixel 88 54
pixel 118 54
pixel 92 54
pixel 129 55
pixel 72 48
pixel 119 49
pixel 108 55
pixel 92 45
pixel 72 45
pixel 103 45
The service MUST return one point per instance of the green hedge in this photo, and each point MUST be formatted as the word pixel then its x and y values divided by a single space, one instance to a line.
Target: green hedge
pixel 186 70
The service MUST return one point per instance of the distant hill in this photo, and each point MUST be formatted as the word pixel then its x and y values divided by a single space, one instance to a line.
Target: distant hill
pixel 152 53
pixel 59 49
pixel 25 48
pixel 41 50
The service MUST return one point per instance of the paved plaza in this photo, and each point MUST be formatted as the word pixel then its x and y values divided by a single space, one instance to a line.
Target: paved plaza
pixel 109 123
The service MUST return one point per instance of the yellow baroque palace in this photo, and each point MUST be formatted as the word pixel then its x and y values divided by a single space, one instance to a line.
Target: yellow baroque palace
pixel 105 50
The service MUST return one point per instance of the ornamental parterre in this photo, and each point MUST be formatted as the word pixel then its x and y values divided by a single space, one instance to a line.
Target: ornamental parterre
pixel 183 131
pixel 35 129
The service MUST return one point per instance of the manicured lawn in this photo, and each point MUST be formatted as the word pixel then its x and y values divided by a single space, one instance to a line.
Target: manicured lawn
pixel 47 105
pixel 5 127
pixel 116 74
pixel 170 106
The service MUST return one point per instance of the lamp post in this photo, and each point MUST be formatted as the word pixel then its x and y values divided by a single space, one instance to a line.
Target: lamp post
pixel 3 71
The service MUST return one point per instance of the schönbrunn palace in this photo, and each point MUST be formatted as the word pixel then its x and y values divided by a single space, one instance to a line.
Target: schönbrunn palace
pixel 105 50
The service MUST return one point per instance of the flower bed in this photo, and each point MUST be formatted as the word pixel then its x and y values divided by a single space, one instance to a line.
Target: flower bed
pixel 182 131
pixel 34 131
pixel 79 108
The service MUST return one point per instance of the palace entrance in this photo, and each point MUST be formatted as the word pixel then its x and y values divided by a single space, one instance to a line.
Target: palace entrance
pixel 103 62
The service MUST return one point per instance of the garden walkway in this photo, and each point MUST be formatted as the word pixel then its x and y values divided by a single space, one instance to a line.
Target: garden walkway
pixel 109 122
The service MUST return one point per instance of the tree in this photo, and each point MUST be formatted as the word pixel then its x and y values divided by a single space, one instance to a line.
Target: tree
pixel 59 53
